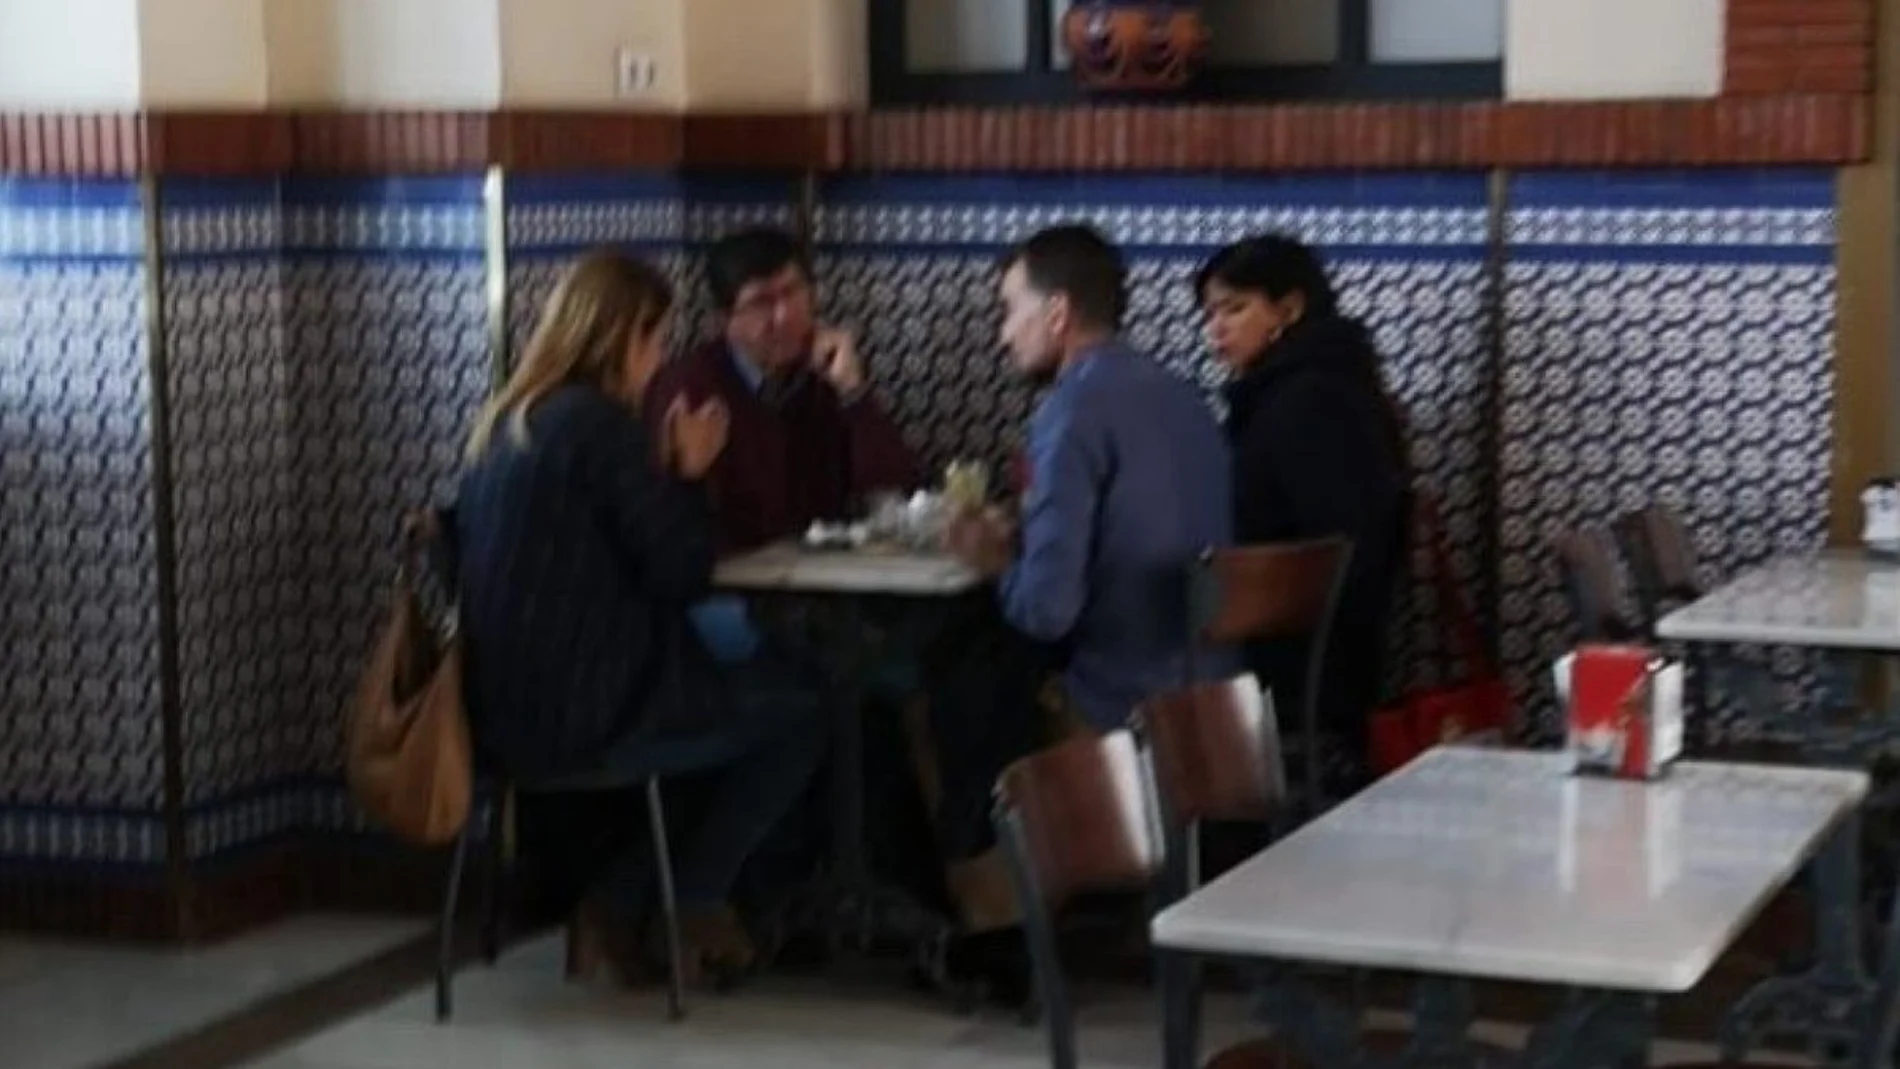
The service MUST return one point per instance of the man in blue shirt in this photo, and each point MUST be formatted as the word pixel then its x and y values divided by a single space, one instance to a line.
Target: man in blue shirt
pixel 1128 483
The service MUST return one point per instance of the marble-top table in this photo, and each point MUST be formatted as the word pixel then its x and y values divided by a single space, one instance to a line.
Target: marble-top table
pixel 870 606
pixel 790 568
pixel 1497 864
pixel 1838 600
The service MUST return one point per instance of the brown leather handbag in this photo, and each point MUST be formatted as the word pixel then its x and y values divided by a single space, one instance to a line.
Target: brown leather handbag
pixel 410 766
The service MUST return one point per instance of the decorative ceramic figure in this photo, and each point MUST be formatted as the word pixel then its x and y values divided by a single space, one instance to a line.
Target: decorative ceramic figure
pixel 1880 518
pixel 1150 45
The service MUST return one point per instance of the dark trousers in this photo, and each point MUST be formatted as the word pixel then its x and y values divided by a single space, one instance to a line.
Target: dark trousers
pixel 725 792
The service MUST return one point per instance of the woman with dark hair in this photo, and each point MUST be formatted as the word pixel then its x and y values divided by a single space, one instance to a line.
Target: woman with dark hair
pixel 1319 450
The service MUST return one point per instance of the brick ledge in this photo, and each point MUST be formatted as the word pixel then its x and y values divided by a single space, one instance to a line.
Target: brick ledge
pixel 1821 129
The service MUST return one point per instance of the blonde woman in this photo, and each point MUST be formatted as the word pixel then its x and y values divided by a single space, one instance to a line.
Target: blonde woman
pixel 581 548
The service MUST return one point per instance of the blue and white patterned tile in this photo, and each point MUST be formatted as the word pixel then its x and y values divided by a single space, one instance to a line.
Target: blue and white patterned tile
pixel 67 220
pixel 665 218
pixel 910 262
pixel 380 217
pixel 388 353
pixel 79 836
pixel 79 685
pixel 236 566
pixel 1689 363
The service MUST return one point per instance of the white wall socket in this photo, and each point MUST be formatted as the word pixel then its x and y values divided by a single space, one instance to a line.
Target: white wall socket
pixel 634 72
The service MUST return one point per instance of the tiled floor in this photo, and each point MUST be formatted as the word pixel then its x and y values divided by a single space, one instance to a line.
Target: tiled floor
pixel 521 1014
pixel 67 1006
pixel 75 1005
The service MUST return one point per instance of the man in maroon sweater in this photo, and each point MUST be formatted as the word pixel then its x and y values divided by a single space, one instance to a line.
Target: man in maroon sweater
pixel 809 439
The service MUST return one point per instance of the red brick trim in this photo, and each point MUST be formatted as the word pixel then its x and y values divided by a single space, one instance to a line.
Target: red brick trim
pixel 1800 46
pixel 1774 129
pixel 1755 130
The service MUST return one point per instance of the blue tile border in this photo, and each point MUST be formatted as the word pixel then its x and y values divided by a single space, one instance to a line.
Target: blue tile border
pixel 80 836
pixel 406 191
pixel 68 193
pixel 215 827
pixel 528 190
pixel 1342 190
pixel 219 192
pixel 1746 188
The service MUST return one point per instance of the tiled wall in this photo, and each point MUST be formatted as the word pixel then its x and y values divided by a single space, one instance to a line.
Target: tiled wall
pixel 1670 338
pixel 234 532
pixel 911 262
pixel 386 327
pixel 666 217
pixel 81 764
pixel 1666 336
pixel 326 343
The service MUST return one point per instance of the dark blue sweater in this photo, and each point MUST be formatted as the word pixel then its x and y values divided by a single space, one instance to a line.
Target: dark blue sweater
pixel 1129 482
pixel 578 558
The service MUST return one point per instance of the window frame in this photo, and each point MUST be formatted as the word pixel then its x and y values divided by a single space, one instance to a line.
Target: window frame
pixel 1353 75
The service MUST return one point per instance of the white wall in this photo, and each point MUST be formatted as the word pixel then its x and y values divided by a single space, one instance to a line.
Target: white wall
pixel 202 53
pixel 69 54
pixel 712 54
pixel 841 62
pixel 748 54
pixel 384 53
pixel 564 53
pixel 1602 49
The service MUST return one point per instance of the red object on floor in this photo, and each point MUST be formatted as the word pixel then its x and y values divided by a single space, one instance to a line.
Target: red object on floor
pixel 1480 705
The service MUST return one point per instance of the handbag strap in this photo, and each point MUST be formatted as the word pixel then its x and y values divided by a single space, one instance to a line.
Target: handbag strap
pixel 424 533
pixel 1461 621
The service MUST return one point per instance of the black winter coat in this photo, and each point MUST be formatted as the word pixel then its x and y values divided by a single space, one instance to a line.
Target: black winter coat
pixel 1319 450
pixel 578 560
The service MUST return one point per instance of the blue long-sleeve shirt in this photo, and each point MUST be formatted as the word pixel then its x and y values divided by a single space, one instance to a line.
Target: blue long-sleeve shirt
pixel 1129 482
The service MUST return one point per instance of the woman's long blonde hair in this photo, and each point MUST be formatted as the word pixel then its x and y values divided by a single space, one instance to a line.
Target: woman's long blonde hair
pixel 605 303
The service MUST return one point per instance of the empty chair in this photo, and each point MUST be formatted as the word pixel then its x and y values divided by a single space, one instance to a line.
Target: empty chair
pixel 1586 560
pixel 1214 749
pixel 1073 820
pixel 1662 559
pixel 1668 575
pixel 1249 595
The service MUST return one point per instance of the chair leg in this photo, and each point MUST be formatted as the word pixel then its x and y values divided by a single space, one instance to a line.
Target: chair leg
pixel 1052 992
pixel 445 926
pixel 496 875
pixel 669 904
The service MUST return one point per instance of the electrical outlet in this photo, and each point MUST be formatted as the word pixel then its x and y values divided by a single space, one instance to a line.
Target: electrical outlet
pixel 634 72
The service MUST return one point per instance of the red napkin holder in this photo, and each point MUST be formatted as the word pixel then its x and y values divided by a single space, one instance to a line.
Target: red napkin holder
pixel 1624 711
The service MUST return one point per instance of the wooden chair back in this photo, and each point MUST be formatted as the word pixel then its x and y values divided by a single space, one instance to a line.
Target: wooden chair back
pixel 1662 558
pixel 1215 750
pixel 1072 820
pixel 1586 560
pixel 1274 590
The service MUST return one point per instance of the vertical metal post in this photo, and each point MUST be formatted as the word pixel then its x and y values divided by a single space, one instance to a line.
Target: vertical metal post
pixel 805 212
pixel 1354 48
pixel 495 263
pixel 1496 354
pixel 178 882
